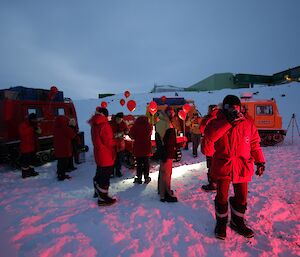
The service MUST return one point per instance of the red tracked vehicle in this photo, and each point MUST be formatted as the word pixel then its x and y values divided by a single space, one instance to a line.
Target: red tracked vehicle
pixel 266 118
pixel 16 104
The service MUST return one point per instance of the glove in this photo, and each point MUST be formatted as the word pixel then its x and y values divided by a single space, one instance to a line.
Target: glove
pixel 260 168
pixel 234 116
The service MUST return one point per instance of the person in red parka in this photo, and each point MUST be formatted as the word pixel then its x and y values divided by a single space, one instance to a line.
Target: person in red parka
pixel 211 114
pixel 63 136
pixel 29 131
pixel 75 146
pixel 141 133
pixel 104 154
pixel 234 144
pixel 120 129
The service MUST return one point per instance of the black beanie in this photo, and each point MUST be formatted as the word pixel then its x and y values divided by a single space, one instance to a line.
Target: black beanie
pixel 231 100
pixel 103 111
pixel 119 115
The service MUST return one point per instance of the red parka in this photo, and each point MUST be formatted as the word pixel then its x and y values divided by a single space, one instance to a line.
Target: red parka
pixel 234 148
pixel 103 141
pixel 119 130
pixel 63 135
pixel 141 133
pixel 28 137
pixel 121 127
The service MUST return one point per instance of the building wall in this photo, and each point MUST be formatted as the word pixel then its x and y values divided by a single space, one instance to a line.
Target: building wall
pixel 215 82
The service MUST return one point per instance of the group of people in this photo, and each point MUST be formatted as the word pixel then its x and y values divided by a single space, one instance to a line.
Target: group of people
pixel 65 144
pixel 108 136
pixel 230 142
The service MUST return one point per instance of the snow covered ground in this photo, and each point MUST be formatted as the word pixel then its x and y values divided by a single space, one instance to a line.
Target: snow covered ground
pixel 43 217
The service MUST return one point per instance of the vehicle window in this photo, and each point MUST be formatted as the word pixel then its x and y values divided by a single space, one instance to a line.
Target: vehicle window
pixel 264 110
pixel 35 110
pixel 59 111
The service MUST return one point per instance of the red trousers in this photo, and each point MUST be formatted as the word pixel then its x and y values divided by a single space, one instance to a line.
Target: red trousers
pixel 240 192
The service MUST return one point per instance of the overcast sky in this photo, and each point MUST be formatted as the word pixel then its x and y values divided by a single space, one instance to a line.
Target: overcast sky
pixel 96 46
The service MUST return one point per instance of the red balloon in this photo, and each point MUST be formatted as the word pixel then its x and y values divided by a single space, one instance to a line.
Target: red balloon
pixel 127 94
pixel 54 89
pixel 186 108
pixel 122 102
pixel 103 104
pixel 163 98
pixel 131 104
pixel 182 114
pixel 152 105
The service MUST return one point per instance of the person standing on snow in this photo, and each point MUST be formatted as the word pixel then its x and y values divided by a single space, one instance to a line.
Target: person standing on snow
pixel 75 146
pixel 29 131
pixel 62 141
pixel 120 129
pixel 211 115
pixel 104 154
pixel 234 144
pixel 141 133
pixel 165 138
pixel 187 124
pixel 195 133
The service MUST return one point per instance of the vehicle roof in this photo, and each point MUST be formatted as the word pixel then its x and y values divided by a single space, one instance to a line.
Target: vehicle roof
pixel 253 100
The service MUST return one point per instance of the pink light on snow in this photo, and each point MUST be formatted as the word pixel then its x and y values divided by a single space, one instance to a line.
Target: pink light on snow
pixel 31 230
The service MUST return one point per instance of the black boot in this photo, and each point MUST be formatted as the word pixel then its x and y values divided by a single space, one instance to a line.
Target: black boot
pixel 211 186
pixel 237 222
pixel 62 177
pixel 222 218
pixel 29 172
pixel 33 172
pixel 105 200
pixel 137 180
pixel 26 173
pixel 170 198
pixel 102 194
pixel 147 180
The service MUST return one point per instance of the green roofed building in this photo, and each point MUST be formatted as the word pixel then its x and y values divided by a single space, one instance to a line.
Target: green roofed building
pixel 216 82
pixel 105 95
pixel 229 80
